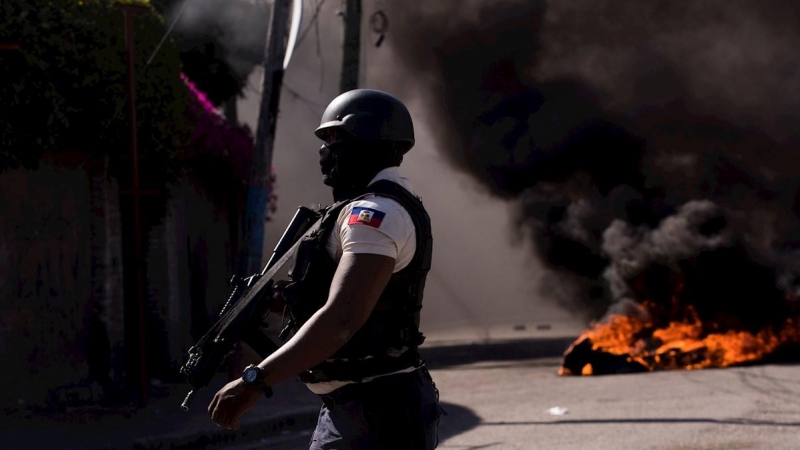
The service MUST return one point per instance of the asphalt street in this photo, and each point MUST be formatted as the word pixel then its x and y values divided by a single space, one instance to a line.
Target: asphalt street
pixel 509 403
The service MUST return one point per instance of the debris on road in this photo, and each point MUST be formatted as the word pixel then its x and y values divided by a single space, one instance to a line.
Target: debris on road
pixel 557 411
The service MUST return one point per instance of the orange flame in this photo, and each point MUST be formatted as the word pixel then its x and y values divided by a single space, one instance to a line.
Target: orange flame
pixel 683 344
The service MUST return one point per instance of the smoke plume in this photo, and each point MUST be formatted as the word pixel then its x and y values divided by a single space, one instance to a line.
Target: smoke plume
pixel 651 147
pixel 221 41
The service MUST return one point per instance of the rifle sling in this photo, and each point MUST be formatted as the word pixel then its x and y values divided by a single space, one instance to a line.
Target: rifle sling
pixel 255 291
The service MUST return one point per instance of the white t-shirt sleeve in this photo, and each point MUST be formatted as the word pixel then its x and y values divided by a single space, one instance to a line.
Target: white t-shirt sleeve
pixel 378 226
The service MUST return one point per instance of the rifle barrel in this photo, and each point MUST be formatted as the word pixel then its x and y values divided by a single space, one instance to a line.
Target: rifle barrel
pixel 188 400
pixel 302 220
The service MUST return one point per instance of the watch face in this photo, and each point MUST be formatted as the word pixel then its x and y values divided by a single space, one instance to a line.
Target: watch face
pixel 250 375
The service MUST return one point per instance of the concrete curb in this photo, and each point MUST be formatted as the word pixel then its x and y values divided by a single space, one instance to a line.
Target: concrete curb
pixel 264 428
pixel 443 356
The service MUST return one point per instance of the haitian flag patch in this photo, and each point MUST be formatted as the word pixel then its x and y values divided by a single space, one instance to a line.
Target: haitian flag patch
pixel 366 216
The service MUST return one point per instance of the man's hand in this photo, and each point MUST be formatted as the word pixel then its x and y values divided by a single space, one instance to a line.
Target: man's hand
pixel 231 402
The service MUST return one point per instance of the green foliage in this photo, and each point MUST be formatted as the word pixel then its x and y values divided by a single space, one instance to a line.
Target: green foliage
pixel 66 88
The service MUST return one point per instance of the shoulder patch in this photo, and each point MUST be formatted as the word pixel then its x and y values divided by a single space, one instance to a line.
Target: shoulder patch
pixel 366 216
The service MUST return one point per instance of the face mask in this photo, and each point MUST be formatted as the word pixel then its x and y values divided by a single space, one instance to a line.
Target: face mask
pixel 327 163
pixel 347 166
pixel 342 161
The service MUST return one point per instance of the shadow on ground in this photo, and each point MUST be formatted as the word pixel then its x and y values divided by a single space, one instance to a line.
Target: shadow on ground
pixel 459 419
pixel 455 355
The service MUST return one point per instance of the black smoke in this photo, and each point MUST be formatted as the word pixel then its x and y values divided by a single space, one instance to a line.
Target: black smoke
pixel 651 147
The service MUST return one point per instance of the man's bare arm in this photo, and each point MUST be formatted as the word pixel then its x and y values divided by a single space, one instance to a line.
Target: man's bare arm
pixel 357 284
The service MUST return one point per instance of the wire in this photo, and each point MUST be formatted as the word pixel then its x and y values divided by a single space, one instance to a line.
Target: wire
pixel 302 97
pixel 169 31
pixel 311 23
pixel 314 105
pixel 121 104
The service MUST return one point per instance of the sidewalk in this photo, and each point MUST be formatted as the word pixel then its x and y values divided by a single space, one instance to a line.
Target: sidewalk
pixel 162 424
pixel 293 409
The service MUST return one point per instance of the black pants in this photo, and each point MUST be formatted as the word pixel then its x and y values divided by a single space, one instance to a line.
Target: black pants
pixel 389 413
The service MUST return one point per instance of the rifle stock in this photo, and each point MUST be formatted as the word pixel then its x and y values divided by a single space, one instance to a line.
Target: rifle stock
pixel 242 314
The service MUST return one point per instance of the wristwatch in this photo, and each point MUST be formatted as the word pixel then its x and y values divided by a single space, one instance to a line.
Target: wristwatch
pixel 253 377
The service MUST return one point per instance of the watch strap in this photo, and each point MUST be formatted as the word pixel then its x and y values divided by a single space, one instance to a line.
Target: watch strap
pixel 258 384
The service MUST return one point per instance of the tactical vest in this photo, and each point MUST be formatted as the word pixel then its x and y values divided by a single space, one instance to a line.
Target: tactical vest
pixel 389 339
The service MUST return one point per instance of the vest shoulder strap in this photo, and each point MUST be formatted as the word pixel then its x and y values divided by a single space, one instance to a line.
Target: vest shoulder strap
pixel 420 218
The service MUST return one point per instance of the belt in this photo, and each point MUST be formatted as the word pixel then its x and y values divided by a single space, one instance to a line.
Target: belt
pixel 348 392
pixel 357 370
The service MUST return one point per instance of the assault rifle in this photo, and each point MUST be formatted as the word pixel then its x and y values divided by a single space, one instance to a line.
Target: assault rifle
pixel 241 318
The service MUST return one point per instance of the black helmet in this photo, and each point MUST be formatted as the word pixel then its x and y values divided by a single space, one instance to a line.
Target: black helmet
pixel 369 114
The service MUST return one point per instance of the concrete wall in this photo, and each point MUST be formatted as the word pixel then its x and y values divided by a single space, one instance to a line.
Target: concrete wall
pixel 190 259
pixel 61 254
pixel 45 278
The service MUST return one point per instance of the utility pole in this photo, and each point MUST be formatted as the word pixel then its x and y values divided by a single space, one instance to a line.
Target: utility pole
pixel 352 46
pixel 258 193
pixel 231 112
pixel 129 10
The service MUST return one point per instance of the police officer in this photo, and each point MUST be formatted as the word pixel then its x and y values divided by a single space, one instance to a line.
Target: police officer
pixel 356 292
